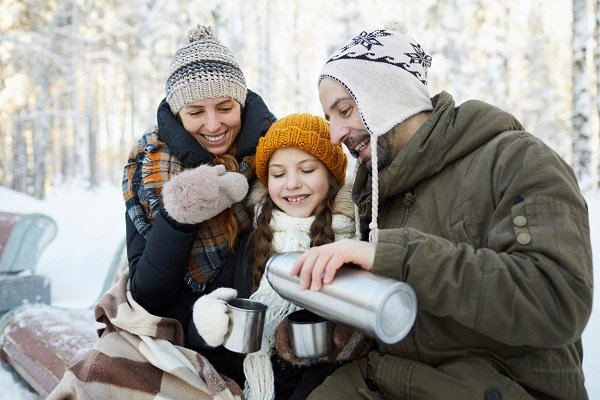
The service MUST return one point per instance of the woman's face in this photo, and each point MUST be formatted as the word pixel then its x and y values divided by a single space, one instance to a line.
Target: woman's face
pixel 297 181
pixel 214 123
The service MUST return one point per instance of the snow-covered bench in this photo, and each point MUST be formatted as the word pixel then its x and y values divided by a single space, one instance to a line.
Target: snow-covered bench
pixel 41 341
pixel 23 238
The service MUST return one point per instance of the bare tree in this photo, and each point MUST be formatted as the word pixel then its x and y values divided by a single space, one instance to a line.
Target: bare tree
pixel 597 71
pixel 91 74
pixel 264 69
pixel 581 96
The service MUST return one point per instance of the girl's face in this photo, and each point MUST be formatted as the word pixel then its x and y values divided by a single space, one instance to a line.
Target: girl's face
pixel 297 181
pixel 214 123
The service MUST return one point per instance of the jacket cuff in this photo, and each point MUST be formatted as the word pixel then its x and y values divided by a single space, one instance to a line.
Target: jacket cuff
pixel 185 228
pixel 390 254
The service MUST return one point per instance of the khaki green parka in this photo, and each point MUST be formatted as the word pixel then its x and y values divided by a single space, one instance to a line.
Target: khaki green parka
pixel 489 227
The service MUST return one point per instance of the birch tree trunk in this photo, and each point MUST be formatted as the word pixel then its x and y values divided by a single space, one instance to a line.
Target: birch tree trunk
pixel 597 71
pixel 19 150
pixel 40 134
pixel 581 96
pixel 265 73
pixel 4 149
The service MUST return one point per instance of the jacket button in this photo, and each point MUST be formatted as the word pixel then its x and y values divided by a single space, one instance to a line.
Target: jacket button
pixel 493 394
pixel 523 238
pixel 372 385
pixel 520 220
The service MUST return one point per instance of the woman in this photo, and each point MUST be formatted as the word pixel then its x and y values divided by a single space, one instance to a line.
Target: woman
pixel 183 187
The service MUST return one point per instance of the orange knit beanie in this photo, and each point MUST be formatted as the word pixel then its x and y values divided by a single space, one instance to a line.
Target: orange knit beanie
pixel 307 132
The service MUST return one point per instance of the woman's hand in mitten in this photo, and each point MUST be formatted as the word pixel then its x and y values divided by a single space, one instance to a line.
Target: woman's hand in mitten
pixel 210 315
pixel 198 194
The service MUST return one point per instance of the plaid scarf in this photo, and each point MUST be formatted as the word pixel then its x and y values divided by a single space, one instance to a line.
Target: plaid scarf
pixel 150 164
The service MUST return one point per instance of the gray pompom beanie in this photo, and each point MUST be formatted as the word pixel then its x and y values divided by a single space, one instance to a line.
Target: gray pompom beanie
pixel 202 69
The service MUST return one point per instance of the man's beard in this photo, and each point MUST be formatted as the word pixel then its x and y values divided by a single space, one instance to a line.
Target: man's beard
pixel 384 153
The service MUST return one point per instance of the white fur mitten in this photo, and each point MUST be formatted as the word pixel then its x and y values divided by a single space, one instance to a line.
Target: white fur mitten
pixel 198 194
pixel 210 315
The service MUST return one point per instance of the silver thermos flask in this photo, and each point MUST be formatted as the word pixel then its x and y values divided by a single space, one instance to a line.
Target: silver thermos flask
pixel 378 306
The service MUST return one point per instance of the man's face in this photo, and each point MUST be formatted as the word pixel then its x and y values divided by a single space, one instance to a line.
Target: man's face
pixel 346 124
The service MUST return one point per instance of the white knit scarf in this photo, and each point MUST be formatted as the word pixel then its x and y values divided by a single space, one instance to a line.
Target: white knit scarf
pixel 289 234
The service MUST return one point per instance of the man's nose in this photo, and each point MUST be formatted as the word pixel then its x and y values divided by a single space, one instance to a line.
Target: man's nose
pixel 337 133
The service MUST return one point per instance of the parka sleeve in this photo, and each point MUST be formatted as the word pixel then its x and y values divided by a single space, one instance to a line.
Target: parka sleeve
pixel 530 280
pixel 158 251
pixel 158 263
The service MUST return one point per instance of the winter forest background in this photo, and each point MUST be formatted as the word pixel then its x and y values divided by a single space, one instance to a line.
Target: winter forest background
pixel 80 80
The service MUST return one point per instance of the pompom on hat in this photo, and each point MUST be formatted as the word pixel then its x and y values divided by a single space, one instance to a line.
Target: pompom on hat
pixel 385 71
pixel 202 69
pixel 307 132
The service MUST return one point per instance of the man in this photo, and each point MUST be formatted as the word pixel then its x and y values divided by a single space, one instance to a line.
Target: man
pixel 481 218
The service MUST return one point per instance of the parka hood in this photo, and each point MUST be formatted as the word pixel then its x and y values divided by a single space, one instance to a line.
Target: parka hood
pixel 256 120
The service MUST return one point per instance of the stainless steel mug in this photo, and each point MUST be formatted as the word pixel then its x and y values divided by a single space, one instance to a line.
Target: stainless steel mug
pixel 311 335
pixel 246 324
pixel 378 306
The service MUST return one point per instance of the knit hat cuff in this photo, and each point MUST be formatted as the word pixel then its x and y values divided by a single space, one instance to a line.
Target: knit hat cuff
pixel 307 132
pixel 205 89
pixel 377 116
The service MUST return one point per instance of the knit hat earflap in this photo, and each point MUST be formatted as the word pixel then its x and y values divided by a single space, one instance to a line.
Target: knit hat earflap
pixel 385 72
pixel 307 132
pixel 202 69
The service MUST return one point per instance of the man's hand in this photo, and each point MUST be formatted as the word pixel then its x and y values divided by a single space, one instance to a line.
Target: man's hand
pixel 318 265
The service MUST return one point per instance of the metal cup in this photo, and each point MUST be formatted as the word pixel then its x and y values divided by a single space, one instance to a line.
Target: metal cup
pixel 246 324
pixel 311 336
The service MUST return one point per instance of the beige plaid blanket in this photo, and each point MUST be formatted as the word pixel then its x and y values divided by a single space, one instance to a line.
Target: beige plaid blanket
pixel 140 356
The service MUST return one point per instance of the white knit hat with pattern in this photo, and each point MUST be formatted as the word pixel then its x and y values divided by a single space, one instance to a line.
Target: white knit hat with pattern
pixel 203 69
pixel 385 72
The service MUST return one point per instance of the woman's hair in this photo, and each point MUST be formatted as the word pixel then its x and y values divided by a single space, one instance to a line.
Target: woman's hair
pixel 225 220
pixel 321 230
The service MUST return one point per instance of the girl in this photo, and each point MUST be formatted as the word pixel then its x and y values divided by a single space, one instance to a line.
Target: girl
pixel 300 201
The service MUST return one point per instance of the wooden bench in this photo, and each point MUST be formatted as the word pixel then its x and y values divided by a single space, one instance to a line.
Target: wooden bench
pixel 41 341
